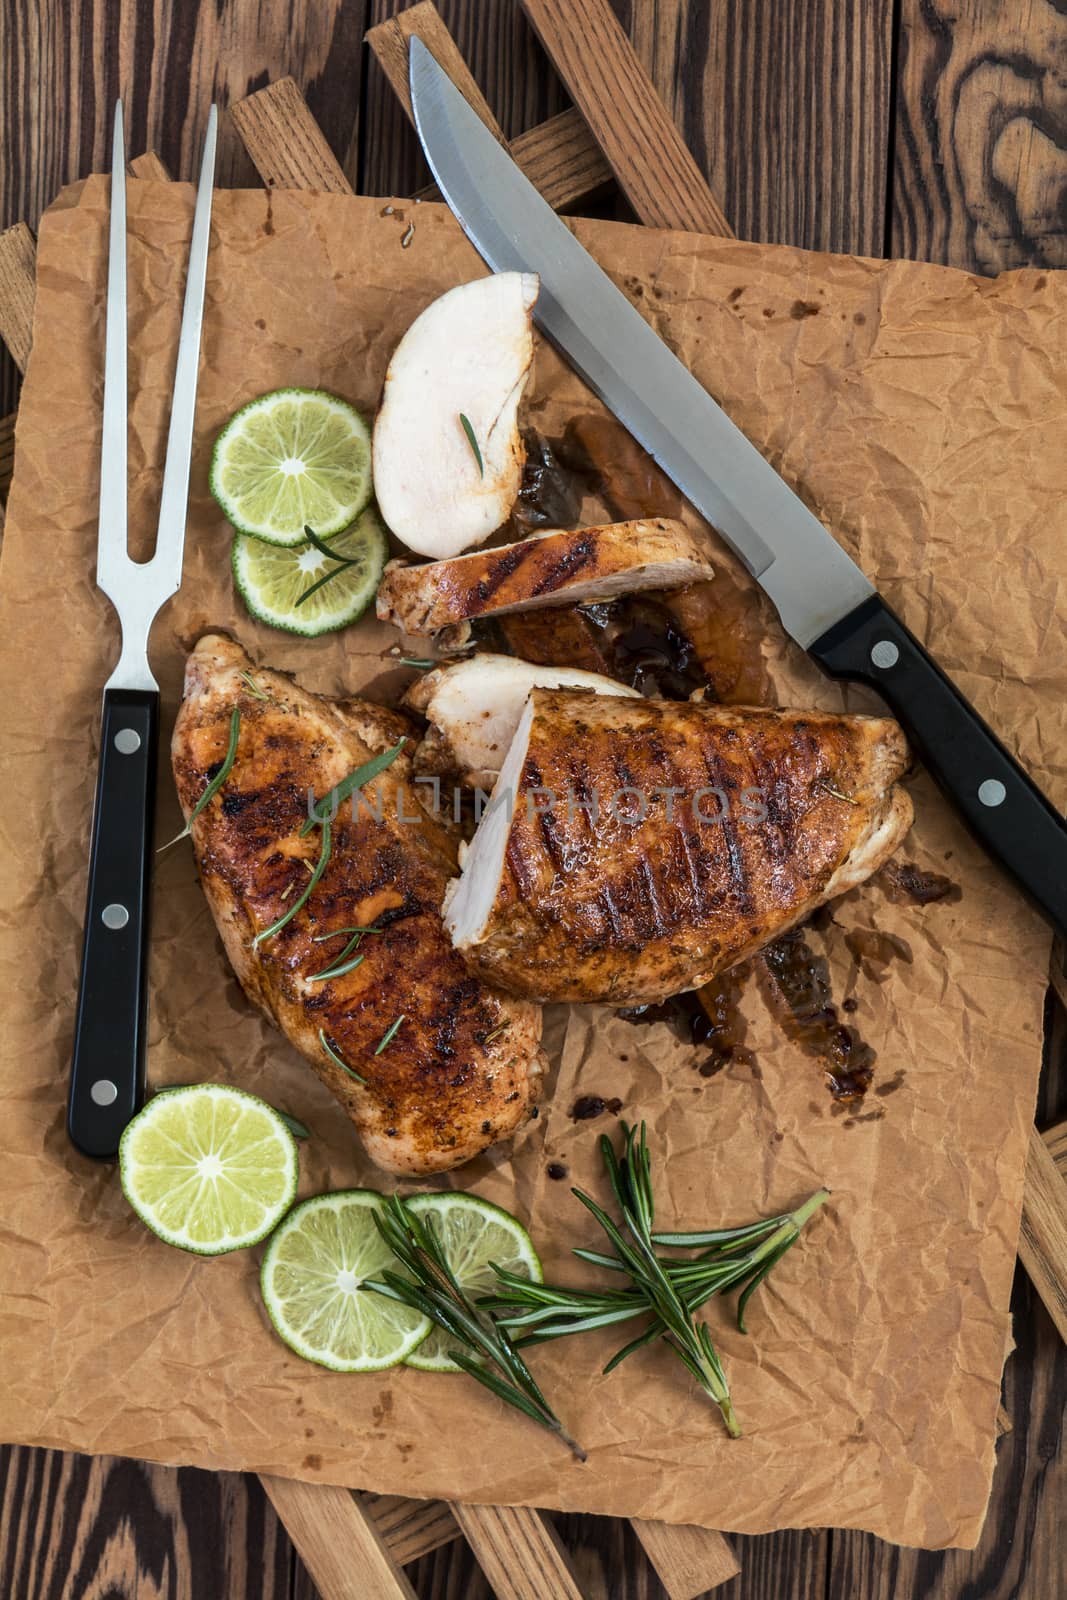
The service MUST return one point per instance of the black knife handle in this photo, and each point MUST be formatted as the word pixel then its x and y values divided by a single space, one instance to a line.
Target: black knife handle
pixel 107 1072
pixel 1002 806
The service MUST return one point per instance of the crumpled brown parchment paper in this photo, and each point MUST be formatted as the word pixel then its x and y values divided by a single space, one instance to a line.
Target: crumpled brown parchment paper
pixel 920 411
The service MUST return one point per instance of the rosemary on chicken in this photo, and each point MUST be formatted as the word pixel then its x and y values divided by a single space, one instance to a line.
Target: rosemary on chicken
pixel 324 549
pixel 472 440
pixel 217 781
pixel 666 1290
pixel 483 1346
pixel 321 814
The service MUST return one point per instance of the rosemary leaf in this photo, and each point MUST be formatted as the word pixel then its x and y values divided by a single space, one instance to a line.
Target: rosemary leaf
pixel 337 971
pixel 291 911
pixel 332 1053
pixel 217 781
pixel 472 440
pixel 252 686
pixel 325 549
pixel 330 803
pixel 390 1034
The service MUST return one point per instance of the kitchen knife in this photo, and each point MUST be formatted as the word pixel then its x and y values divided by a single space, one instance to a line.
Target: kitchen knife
pixel 824 600
pixel 107 1069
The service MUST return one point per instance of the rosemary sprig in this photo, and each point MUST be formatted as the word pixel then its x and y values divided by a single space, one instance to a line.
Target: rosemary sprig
pixel 484 1348
pixel 472 440
pixel 421 662
pixel 339 966
pixel 666 1290
pixel 334 798
pixel 337 971
pixel 341 1062
pixel 290 912
pixel 217 781
pixel 252 686
pixel 324 549
pixel 390 1034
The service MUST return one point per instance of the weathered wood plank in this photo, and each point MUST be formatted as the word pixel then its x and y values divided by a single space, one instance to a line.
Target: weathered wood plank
pixel 612 90
pixel 62 70
pixel 150 166
pixel 18 255
pixel 338 1541
pixel 688 1561
pixel 561 158
pixel 519 1551
pixel 285 142
pixel 505 60
pixel 980 156
pixel 1043 1236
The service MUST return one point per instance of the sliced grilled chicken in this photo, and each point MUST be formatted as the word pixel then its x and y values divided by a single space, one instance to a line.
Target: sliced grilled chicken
pixel 474 708
pixel 651 844
pixel 464 1068
pixel 551 569
pixel 447 452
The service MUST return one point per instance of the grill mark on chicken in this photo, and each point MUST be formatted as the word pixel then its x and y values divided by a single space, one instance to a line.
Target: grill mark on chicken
pixel 579 556
pixel 645 909
pixel 446 1086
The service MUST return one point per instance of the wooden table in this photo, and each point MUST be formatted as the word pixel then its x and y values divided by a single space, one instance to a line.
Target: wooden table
pixel 925 128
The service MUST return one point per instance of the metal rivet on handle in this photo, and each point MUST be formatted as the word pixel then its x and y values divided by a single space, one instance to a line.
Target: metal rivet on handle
pixel 114 917
pixel 103 1092
pixel 992 792
pixel 885 653
pixel 127 741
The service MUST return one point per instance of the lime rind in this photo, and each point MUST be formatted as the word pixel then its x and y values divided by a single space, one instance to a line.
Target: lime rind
pixel 270 579
pixel 473 1233
pixel 209 1168
pixel 292 458
pixel 310 1279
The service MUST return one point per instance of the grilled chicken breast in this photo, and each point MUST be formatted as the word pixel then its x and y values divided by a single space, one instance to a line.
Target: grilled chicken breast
pixel 474 706
pixel 551 569
pixel 464 1068
pixel 651 844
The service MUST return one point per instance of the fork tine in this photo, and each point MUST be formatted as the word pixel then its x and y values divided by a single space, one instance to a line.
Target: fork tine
pixel 113 448
pixel 173 506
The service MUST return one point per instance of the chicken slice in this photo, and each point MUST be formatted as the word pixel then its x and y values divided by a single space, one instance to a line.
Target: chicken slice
pixel 464 1068
pixel 551 569
pixel 474 707
pixel 448 455
pixel 635 848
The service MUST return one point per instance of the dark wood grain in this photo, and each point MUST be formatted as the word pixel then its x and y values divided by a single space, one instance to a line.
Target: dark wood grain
pixel 73 1526
pixel 980 158
pixel 787 106
pixel 652 162
pixel 499 47
pixel 63 67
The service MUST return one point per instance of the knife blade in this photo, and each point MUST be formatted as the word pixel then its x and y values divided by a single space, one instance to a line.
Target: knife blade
pixel 824 600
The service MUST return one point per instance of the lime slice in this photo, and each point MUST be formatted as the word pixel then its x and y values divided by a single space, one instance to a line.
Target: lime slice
pixel 208 1168
pixel 473 1233
pixel 292 457
pixel 311 1274
pixel 271 580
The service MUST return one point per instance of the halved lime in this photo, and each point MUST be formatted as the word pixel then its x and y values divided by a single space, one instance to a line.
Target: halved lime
pixel 271 580
pixel 473 1232
pixel 311 1277
pixel 294 457
pixel 208 1168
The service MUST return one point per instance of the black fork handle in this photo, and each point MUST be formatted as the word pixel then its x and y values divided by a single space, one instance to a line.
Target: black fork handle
pixel 107 1071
